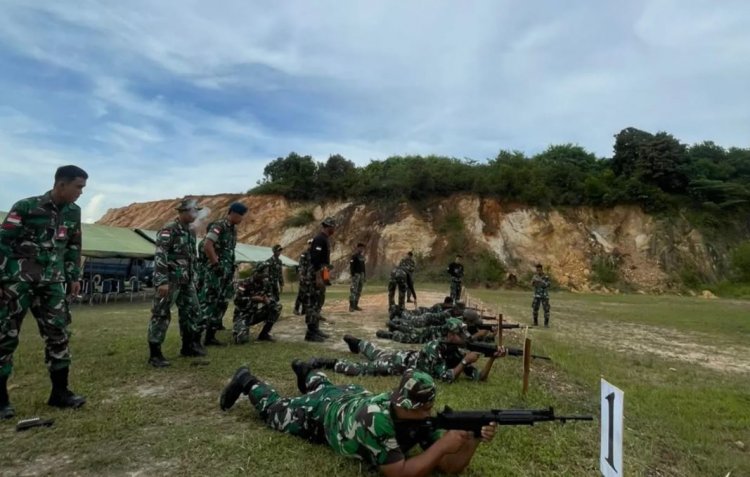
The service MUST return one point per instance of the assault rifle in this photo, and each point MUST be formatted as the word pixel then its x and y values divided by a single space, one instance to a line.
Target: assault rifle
pixel 473 421
pixel 492 326
pixel 488 350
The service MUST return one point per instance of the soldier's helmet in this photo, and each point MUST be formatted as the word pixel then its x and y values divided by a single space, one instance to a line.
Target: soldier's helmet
pixel 471 317
pixel 415 390
pixel 188 204
pixel 455 325
pixel 277 248
pixel 328 222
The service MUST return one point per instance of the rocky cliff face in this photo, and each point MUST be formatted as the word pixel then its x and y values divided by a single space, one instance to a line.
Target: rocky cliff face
pixel 567 241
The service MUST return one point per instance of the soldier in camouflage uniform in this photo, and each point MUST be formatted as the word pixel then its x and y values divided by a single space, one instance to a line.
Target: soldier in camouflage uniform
pixel 303 265
pixel 276 272
pixel 357 272
pixel 253 304
pixel 398 280
pixel 541 282
pixel 356 423
pixel 456 272
pixel 174 278
pixel 216 270
pixel 438 358
pixel 40 252
pixel 318 274
pixel 410 266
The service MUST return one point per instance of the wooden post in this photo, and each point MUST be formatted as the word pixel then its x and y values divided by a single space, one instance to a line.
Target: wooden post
pixel 526 364
pixel 499 336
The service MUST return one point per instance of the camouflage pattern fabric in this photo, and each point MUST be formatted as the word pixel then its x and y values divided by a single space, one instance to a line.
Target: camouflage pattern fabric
pixel 174 265
pixel 275 276
pixel 248 312
pixel 355 289
pixel 48 306
pixel 409 265
pixel 456 271
pixel 398 280
pixel 351 420
pixel 303 277
pixel 40 250
pixel 424 319
pixel 541 285
pixel 215 282
pixel 315 299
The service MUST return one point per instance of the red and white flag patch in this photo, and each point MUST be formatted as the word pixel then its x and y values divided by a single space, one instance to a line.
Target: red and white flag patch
pixel 12 220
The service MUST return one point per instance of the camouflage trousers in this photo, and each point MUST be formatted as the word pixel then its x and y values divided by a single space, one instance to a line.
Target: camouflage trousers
pixel 244 319
pixel 300 304
pixel 189 313
pixel 214 294
pixel 544 302
pixel 423 320
pixel 455 289
pixel 392 285
pixel 410 334
pixel 355 289
pixel 301 416
pixel 48 305
pixel 379 362
pixel 316 297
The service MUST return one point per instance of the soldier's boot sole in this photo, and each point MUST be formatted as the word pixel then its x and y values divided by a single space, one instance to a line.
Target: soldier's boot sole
pixel 158 362
pixel 232 391
pixel 301 370
pixel 66 400
pixel 7 411
pixel 314 337
pixel 352 342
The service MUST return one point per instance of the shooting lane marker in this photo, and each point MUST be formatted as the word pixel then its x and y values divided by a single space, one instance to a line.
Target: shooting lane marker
pixel 612 405
pixel 526 364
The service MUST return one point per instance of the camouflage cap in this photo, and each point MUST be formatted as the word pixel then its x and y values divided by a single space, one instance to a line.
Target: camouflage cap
pixel 328 222
pixel 455 325
pixel 277 248
pixel 188 204
pixel 415 390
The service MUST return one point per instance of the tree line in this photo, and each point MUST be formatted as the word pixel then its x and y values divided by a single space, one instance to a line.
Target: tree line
pixel 655 171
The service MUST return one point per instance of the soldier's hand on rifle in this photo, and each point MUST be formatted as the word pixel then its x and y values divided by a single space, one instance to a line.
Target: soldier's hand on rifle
pixel 488 432
pixel 471 357
pixel 501 351
pixel 453 441
pixel 163 290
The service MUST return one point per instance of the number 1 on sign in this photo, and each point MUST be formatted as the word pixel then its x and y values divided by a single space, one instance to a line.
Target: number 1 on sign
pixel 610 457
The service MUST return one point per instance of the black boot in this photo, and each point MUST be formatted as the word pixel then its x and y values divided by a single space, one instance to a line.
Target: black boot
pixel 356 306
pixel 6 410
pixel 301 370
pixel 313 334
pixel 239 384
pixel 352 342
pixel 322 363
pixel 265 333
pixel 197 347
pixel 386 335
pixel 210 339
pixel 61 396
pixel 187 346
pixel 157 360
pixel 351 305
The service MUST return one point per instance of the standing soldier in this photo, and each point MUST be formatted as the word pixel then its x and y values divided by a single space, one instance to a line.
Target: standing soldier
pixel 357 272
pixel 304 283
pixel 319 276
pixel 410 266
pixel 174 279
pixel 540 281
pixel 398 280
pixel 40 252
pixel 456 271
pixel 275 272
pixel 216 270
pixel 254 303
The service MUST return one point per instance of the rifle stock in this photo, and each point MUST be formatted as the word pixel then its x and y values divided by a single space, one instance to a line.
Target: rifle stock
pixel 490 326
pixel 489 350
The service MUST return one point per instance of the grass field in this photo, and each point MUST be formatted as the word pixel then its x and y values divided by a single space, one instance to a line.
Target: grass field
pixel 683 363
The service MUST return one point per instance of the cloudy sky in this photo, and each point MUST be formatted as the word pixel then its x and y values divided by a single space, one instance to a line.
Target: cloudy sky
pixel 157 99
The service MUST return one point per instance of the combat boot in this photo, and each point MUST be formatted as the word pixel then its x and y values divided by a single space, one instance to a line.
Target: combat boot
pixel 265 333
pixel 210 339
pixel 301 370
pixel 187 347
pixel 322 363
pixel 240 383
pixel 351 305
pixel 61 396
pixel 353 343
pixel 196 345
pixel 313 334
pixel 6 410
pixel 157 360
pixel 386 335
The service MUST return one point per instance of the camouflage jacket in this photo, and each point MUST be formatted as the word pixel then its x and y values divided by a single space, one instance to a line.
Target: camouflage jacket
pixel 246 290
pixel 224 236
pixel 541 285
pixel 303 266
pixel 41 242
pixel 438 360
pixel 359 424
pixel 408 264
pixel 175 258
pixel 398 274
pixel 275 272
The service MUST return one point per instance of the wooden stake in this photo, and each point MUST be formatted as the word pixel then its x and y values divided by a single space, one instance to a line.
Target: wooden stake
pixel 499 336
pixel 526 364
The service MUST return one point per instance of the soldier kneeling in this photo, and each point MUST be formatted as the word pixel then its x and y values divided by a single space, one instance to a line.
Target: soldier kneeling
pixel 254 304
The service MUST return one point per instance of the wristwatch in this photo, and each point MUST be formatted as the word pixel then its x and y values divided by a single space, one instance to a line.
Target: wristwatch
pixel 463 362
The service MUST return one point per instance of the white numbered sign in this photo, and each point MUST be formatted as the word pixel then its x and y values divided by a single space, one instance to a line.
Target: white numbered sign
pixel 610 458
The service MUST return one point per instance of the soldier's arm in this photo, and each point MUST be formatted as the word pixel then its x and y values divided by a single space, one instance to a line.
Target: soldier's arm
pixel 208 247
pixel 281 274
pixel 161 264
pixel 453 445
pixel 72 256
pixel 11 230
